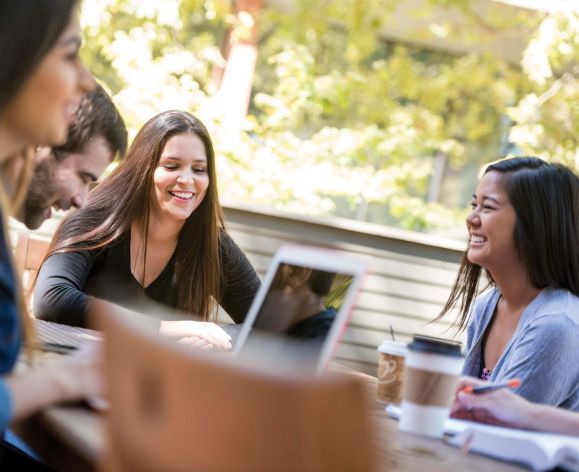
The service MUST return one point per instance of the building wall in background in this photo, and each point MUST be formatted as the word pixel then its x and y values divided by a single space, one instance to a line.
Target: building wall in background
pixel 408 280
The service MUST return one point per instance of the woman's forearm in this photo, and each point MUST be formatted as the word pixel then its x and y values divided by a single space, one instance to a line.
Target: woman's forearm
pixel 77 377
pixel 551 419
pixel 513 410
pixel 35 389
pixel 58 292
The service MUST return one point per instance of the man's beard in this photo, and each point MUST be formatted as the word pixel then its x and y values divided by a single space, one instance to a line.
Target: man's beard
pixel 40 194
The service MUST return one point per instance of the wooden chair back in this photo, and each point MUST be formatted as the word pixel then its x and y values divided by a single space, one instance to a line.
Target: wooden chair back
pixel 28 256
pixel 175 408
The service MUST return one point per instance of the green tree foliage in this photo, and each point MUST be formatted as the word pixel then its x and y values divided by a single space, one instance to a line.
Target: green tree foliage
pixel 546 118
pixel 342 120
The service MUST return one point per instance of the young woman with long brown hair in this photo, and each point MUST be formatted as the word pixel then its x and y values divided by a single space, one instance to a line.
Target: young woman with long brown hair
pixel 154 226
pixel 524 232
pixel 41 83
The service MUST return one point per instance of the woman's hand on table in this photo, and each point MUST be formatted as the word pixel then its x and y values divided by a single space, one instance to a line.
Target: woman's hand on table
pixel 88 360
pixel 83 370
pixel 75 377
pixel 200 334
pixel 502 406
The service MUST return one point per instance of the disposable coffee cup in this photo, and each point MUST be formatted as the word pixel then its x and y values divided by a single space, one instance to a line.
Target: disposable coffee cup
pixel 391 356
pixel 433 368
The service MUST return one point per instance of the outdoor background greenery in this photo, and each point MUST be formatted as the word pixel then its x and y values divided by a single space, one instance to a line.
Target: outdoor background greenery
pixel 342 121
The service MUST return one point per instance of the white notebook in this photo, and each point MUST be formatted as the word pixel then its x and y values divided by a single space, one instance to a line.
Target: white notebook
pixel 540 451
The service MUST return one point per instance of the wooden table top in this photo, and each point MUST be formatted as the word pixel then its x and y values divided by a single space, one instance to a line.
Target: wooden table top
pixel 82 430
pixel 398 451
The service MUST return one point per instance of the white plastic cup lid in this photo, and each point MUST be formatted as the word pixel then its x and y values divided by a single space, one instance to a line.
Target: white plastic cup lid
pixel 393 347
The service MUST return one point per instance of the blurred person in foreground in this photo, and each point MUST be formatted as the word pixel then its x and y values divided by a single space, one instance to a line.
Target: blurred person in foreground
pixel 152 230
pixel 506 408
pixel 63 174
pixel 42 81
pixel 524 232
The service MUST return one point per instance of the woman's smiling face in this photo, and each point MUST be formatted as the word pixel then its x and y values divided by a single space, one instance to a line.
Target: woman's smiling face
pixel 181 178
pixel 43 109
pixel 491 226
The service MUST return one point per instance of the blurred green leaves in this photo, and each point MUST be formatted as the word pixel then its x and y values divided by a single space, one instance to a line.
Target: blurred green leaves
pixel 344 121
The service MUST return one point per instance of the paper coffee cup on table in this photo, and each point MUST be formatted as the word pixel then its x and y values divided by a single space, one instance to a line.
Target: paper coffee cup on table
pixel 433 368
pixel 391 356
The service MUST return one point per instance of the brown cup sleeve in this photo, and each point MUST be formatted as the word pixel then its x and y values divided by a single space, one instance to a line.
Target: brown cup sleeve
pixel 427 388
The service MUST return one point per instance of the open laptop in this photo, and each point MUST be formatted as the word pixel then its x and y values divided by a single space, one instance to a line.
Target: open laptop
pixel 62 339
pixel 301 310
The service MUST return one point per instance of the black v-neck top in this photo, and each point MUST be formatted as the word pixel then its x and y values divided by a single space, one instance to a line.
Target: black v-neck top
pixel 66 282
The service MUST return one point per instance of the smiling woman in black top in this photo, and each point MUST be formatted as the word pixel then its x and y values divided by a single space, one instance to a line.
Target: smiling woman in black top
pixel 153 227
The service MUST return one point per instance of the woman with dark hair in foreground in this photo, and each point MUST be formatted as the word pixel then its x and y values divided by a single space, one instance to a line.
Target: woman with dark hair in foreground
pixel 41 83
pixel 524 232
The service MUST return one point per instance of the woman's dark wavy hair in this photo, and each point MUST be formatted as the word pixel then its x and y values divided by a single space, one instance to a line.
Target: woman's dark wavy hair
pixel 545 198
pixel 28 29
pixel 124 197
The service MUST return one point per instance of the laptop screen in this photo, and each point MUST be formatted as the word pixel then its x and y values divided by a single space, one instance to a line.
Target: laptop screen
pixel 302 302
pixel 302 310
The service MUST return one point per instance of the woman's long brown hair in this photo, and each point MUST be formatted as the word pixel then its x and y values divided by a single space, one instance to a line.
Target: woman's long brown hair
pixel 124 198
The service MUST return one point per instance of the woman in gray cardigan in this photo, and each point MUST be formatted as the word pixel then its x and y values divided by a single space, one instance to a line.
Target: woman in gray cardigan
pixel 524 232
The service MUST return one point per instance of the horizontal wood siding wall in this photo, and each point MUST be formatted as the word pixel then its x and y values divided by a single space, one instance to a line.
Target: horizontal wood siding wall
pixel 407 283
pixel 405 288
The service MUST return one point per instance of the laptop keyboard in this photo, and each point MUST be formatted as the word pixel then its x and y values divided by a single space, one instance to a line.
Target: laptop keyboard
pixel 60 337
